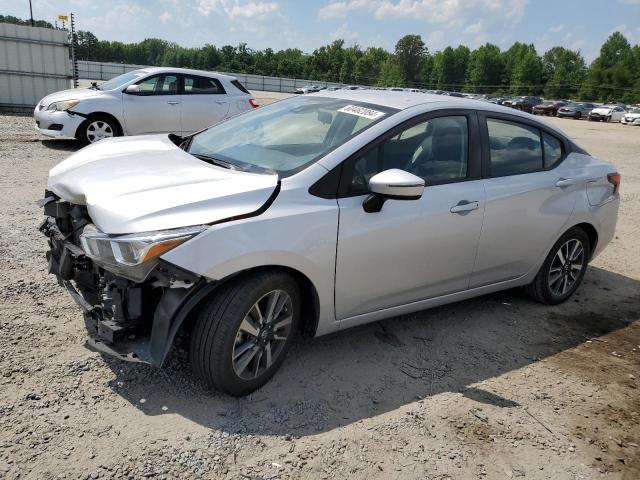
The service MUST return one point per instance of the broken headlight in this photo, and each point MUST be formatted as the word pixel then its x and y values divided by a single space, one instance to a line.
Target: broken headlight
pixel 132 256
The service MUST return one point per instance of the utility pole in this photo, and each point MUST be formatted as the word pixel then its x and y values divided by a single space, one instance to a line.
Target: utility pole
pixel 31 12
pixel 74 42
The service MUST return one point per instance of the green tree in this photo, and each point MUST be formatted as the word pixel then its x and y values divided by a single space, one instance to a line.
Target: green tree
pixel 410 52
pixel 486 69
pixel 390 74
pixel 564 71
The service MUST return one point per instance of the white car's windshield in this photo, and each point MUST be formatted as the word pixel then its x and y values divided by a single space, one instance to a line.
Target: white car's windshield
pixel 286 136
pixel 121 80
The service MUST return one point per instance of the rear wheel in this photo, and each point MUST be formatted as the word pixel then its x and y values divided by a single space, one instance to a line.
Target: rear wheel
pixel 97 128
pixel 578 116
pixel 563 269
pixel 243 333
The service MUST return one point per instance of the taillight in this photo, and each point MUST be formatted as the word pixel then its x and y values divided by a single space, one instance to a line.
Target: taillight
pixel 614 179
pixel 253 103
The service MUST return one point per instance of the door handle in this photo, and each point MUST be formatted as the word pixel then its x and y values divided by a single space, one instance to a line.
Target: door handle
pixel 221 102
pixel 173 103
pixel 464 206
pixel 565 182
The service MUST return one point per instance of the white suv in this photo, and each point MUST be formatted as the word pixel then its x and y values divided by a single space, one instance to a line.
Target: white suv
pixel 151 100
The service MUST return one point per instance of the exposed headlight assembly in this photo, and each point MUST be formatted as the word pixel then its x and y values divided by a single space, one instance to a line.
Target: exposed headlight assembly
pixel 62 106
pixel 132 256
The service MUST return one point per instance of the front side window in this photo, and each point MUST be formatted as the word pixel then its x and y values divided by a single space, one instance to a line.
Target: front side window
pixel 163 84
pixel 286 136
pixel 436 150
pixel 514 148
pixel 197 85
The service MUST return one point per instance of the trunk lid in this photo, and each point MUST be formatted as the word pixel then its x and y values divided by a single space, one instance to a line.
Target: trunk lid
pixel 140 184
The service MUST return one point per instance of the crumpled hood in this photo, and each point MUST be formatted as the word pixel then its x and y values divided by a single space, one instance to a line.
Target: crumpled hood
pixel 140 184
pixel 72 94
pixel 602 110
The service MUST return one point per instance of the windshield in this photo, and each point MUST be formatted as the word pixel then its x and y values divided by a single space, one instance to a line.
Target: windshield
pixel 121 80
pixel 286 136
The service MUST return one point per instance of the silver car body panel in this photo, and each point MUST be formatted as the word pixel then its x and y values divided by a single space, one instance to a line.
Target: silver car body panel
pixel 411 255
pixel 158 186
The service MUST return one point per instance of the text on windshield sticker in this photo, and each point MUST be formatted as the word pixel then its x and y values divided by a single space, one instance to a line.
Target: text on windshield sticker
pixel 361 112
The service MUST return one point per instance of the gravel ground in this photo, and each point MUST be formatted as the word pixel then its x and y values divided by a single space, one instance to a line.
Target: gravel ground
pixel 496 387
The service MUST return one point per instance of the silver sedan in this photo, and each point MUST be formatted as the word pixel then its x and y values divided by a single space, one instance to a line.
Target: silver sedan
pixel 315 214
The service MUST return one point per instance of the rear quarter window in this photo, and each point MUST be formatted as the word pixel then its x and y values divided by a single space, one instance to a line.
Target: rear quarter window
pixel 239 86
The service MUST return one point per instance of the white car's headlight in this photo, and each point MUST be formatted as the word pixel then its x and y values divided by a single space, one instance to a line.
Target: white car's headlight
pixel 132 256
pixel 62 106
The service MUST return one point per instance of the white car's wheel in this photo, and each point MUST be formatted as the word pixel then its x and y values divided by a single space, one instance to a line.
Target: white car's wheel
pixel 97 128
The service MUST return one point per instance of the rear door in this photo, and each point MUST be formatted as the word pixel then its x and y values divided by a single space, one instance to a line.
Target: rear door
pixel 411 250
pixel 527 201
pixel 203 102
pixel 155 108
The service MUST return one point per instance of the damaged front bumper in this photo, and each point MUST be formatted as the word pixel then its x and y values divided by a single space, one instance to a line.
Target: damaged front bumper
pixel 132 321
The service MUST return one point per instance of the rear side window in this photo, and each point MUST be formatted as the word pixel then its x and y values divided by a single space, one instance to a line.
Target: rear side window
pixel 239 86
pixel 163 84
pixel 553 150
pixel 196 85
pixel 514 148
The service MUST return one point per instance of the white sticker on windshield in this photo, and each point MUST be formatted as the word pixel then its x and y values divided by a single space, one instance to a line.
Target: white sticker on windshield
pixel 361 112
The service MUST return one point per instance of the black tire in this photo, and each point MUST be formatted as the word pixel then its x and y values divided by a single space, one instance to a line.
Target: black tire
pixel 85 136
pixel 540 288
pixel 217 327
pixel 578 116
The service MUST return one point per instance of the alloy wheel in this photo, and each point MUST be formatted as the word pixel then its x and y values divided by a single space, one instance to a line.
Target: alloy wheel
pixel 98 130
pixel 262 335
pixel 567 264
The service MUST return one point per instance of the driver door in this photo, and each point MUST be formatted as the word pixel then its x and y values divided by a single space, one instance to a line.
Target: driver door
pixel 411 250
pixel 155 108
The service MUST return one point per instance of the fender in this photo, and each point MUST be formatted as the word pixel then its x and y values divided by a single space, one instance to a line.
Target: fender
pixel 173 308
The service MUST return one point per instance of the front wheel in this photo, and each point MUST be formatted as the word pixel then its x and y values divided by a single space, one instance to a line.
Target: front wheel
pixel 96 128
pixel 243 333
pixel 563 270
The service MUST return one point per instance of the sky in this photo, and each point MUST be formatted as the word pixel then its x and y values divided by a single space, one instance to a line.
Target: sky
pixel 577 24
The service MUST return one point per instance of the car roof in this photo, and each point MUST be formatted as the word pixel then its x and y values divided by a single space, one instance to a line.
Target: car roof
pixel 188 71
pixel 403 100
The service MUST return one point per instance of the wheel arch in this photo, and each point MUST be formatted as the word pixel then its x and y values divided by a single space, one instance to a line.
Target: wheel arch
pixel 183 311
pixel 591 232
pixel 93 115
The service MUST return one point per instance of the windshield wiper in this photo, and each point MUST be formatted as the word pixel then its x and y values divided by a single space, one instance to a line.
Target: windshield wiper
pixel 215 161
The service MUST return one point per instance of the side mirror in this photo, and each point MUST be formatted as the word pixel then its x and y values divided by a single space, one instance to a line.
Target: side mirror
pixel 393 184
pixel 132 90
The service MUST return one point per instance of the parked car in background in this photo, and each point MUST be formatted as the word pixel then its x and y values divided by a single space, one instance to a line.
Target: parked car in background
pixel 525 103
pixel 607 113
pixel 315 214
pixel 632 117
pixel 576 110
pixel 500 100
pixel 549 107
pixel 150 100
pixel 306 89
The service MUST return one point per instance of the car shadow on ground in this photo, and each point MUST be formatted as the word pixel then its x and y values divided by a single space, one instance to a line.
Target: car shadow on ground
pixel 332 381
pixel 66 145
